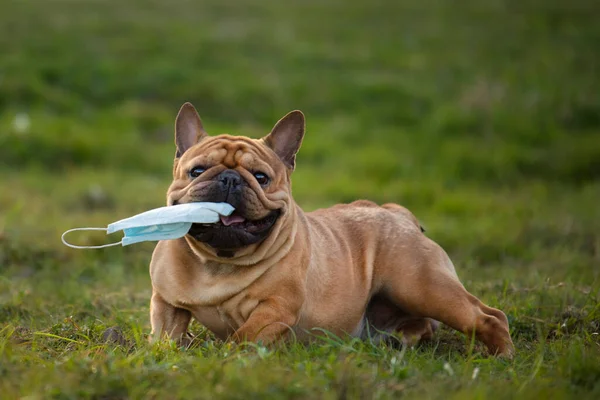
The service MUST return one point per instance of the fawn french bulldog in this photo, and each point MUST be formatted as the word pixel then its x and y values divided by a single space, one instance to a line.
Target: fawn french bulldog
pixel 269 268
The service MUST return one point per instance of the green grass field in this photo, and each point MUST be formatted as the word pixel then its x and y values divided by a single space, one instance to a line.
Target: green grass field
pixel 483 118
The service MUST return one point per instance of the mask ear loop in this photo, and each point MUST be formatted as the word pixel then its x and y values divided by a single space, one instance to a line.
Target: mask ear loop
pixel 87 247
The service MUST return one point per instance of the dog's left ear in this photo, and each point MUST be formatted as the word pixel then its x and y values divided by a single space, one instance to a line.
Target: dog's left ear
pixel 188 129
pixel 286 137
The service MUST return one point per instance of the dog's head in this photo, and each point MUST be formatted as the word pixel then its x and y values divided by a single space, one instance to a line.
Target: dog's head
pixel 253 175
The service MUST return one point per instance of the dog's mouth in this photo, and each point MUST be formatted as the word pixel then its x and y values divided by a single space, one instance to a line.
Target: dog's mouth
pixel 234 231
pixel 236 221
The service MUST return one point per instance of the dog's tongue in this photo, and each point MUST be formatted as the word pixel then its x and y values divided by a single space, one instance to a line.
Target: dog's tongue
pixel 232 219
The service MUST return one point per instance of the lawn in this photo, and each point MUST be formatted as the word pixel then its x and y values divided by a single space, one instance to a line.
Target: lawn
pixel 483 118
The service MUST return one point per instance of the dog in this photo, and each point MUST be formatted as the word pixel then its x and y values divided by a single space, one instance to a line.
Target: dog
pixel 270 271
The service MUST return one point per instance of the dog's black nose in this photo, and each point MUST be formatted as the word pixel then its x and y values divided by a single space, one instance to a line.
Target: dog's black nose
pixel 229 179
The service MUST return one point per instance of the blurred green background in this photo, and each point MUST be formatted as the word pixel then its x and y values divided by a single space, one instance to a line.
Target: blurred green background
pixel 482 117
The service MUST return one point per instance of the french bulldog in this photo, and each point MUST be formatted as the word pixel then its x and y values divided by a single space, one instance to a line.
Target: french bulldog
pixel 270 271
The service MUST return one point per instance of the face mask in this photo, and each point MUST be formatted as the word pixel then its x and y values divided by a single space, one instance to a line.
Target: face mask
pixel 171 222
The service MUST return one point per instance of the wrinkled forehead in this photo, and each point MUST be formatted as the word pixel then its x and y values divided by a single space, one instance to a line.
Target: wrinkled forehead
pixel 230 151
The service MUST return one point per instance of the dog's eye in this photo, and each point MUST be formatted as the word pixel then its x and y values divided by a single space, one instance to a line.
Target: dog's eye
pixel 261 178
pixel 196 172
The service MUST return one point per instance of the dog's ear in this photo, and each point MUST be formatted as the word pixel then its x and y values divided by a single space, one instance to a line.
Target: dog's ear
pixel 188 129
pixel 286 137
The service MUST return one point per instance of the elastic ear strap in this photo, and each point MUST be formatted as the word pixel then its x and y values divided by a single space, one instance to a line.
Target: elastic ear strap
pixel 87 247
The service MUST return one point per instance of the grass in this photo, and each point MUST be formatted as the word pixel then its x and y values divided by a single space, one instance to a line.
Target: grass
pixel 480 117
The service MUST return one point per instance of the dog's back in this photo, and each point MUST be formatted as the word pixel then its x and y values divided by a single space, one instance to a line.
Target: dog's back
pixel 349 242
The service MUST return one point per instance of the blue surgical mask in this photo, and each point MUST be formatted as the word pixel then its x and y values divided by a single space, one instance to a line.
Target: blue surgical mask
pixel 171 222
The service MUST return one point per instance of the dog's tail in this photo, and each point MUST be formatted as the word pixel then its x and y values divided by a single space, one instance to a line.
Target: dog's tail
pixel 396 208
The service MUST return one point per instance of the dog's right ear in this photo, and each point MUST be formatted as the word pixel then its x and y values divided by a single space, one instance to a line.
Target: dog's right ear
pixel 188 129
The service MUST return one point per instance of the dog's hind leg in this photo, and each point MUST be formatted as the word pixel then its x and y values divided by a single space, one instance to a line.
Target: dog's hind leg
pixel 429 288
pixel 385 318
